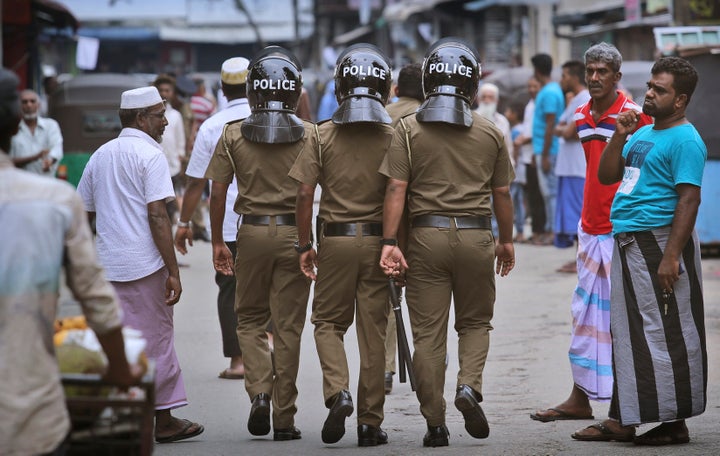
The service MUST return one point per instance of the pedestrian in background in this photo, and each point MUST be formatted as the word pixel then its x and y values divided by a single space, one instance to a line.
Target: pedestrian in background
pixel 590 350
pixel 348 281
pixel 449 161
pixel 515 115
pixel 38 145
pixel 173 139
pixel 409 93
pixel 657 317
pixel 44 229
pixel 259 152
pixel 233 77
pixel 549 106
pixel 129 175
pixel 570 166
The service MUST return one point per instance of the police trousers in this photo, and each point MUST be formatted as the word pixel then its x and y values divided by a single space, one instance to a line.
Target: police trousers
pixel 350 283
pixel 270 285
pixel 445 263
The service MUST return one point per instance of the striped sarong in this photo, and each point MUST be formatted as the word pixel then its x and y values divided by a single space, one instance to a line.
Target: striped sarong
pixel 660 359
pixel 590 346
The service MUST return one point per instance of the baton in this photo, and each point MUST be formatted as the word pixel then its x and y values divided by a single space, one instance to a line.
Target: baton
pixel 404 356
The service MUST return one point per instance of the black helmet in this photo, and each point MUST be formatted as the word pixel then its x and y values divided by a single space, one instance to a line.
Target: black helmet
pixel 451 75
pixel 274 85
pixel 362 84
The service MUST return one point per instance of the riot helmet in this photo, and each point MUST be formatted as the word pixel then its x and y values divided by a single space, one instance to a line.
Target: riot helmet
pixel 451 75
pixel 362 85
pixel 274 85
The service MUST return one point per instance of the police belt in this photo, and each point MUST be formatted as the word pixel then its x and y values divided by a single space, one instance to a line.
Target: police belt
pixel 351 229
pixel 264 220
pixel 480 222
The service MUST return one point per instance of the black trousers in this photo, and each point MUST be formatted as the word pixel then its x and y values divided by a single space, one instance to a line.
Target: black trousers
pixel 226 309
pixel 536 202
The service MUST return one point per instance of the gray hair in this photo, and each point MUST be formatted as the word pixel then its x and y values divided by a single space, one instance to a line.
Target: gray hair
pixel 490 87
pixel 604 53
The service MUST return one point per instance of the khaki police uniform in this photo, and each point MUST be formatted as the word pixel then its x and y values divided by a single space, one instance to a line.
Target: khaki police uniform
pixel 450 171
pixel 269 280
pixel 349 281
pixel 401 108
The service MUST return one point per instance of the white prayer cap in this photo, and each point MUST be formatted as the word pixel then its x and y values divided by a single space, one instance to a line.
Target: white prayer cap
pixel 142 97
pixel 234 71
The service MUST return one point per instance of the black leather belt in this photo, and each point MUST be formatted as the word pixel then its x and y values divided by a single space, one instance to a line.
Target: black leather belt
pixel 441 221
pixel 264 220
pixel 350 229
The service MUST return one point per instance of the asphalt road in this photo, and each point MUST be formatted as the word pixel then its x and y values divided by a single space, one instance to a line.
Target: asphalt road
pixel 527 368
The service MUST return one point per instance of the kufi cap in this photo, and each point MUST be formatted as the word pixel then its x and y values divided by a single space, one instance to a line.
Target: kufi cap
pixel 142 97
pixel 234 71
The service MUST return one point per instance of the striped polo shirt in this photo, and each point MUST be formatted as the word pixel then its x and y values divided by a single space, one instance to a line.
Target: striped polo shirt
pixel 597 198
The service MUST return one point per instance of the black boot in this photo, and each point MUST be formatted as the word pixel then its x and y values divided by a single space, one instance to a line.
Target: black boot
pixel 466 400
pixel 291 433
pixel 341 408
pixel 259 420
pixel 371 435
pixel 436 436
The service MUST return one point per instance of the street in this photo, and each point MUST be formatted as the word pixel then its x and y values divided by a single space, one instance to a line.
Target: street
pixel 527 369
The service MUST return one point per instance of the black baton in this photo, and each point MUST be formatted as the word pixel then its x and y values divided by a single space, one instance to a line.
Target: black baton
pixel 404 356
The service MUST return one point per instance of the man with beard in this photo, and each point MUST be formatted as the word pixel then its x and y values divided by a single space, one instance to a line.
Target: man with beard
pixel 38 145
pixel 488 98
pixel 125 187
pixel 590 344
pixel 659 355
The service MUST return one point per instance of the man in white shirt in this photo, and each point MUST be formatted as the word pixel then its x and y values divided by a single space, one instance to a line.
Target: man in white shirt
pixel 488 98
pixel 38 145
pixel 173 138
pixel 233 77
pixel 125 187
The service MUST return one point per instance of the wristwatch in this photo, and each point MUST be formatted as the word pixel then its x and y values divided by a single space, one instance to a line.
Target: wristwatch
pixel 302 249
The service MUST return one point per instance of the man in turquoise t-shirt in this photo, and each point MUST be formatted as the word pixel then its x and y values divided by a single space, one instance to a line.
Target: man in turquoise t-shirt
pixel 656 310
pixel 549 106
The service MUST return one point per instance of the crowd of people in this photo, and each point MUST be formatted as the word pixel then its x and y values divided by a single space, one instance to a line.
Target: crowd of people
pixel 430 192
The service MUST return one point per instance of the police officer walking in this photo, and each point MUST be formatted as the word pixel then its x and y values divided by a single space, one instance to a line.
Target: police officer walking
pixel 259 152
pixel 449 161
pixel 349 281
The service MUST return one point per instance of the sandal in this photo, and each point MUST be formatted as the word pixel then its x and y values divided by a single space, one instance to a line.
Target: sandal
pixel 606 434
pixel 664 434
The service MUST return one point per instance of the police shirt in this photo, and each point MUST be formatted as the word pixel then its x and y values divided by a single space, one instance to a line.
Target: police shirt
pixel 346 166
pixel 263 185
pixel 452 169
pixel 401 108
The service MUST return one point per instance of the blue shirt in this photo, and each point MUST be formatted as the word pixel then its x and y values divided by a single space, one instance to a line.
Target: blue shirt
pixel 656 161
pixel 549 100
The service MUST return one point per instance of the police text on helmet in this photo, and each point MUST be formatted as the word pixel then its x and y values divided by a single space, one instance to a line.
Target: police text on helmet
pixel 268 84
pixel 455 68
pixel 357 70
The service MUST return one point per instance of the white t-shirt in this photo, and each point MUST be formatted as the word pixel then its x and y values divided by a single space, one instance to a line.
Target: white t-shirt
pixel 526 150
pixel 122 177
pixel 47 136
pixel 570 160
pixel 173 139
pixel 207 138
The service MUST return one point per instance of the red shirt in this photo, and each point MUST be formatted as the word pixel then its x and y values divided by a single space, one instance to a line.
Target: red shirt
pixel 597 198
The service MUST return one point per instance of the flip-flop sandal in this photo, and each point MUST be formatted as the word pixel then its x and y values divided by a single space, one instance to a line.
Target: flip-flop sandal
pixel 183 433
pixel 229 375
pixel 606 435
pixel 559 415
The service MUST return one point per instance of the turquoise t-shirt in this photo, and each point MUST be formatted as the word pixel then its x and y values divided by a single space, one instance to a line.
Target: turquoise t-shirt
pixel 549 100
pixel 655 162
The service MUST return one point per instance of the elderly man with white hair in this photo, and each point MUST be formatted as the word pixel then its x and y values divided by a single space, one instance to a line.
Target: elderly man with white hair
pixel 488 98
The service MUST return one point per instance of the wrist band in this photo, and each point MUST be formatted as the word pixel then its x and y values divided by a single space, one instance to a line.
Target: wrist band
pixel 392 242
pixel 183 224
